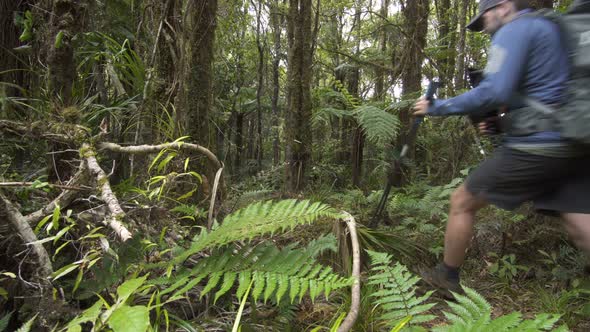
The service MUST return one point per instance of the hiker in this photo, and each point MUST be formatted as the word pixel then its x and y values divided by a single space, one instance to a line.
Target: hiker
pixel 527 59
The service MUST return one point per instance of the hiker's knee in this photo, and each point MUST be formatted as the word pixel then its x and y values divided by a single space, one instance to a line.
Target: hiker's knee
pixel 463 201
pixel 578 228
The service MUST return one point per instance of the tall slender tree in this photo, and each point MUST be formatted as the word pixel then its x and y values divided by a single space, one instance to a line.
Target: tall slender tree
pixel 276 19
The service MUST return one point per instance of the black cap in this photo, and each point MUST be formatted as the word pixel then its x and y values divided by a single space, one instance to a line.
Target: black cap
pixel 476 23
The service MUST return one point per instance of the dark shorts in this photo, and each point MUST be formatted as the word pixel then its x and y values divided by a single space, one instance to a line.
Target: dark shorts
pixel 511 177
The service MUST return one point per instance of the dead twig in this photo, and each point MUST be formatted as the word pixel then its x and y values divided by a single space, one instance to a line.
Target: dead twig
pixel 213 196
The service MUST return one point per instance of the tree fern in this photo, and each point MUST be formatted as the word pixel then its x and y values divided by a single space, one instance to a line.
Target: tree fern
pixel 397 298
pixel 254 220
pixel 351 101
pixel 472 313
pixel 275 272
pixel 379 126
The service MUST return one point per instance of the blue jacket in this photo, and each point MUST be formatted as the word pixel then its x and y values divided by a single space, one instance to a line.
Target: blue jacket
pixel 526 57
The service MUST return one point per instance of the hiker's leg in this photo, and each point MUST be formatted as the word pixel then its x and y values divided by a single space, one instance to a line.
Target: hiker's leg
pixel 464 206
pixel 578 227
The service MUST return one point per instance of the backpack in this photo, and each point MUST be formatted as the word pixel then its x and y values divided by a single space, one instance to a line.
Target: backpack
pixel 573 117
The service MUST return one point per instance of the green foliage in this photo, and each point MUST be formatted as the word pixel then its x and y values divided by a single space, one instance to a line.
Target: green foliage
pixel 257 219
pixel 28 325
pixel 473 313
pixel 572 304
pixel 287 272
pixel 26 22
pixel 397 297
pixel 506 268
pixel 4 321
pixel 118 316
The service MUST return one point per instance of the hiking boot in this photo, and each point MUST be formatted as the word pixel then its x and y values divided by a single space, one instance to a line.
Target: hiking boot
pixel 438 277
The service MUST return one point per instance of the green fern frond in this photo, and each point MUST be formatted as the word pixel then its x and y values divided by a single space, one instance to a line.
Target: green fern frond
pixel 379 126
pixel 397 297
pixel 255 220
pixel 275 272
pixel 472 313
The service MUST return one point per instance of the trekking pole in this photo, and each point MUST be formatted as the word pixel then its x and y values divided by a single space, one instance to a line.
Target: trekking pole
pixel 430 92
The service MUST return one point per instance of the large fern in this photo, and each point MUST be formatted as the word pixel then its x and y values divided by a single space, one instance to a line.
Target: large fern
pixel 289 271
pixel 472 313
pixel 255 220
pixel 397 298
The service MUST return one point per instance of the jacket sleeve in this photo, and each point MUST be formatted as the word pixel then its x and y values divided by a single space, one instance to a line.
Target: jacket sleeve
pixel 507 58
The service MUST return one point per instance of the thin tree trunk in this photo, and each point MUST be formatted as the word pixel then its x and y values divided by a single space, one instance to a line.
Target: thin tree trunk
pixel 239 141
pixel 259 89
pixel 276 19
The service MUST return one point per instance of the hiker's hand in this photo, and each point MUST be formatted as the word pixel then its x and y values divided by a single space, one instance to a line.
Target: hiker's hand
pixel 488 126
pixel 483 127
pixel 421 107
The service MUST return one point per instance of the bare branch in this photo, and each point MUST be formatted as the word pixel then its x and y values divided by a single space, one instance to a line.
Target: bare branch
pixel 356 275
pixel 28 236
pixel 102 182
pixel 147 149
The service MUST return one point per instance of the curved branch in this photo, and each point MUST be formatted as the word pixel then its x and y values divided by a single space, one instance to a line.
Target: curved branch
pixel 102 182
pixel 147 149
pixel 28 236
pixel 356 275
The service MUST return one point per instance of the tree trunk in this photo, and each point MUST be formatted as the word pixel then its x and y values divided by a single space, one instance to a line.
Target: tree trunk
pixel 380 90
pixel 65 21
pixel 460 73
pixel 358 136
pixel 298 119
pixel 63 26
pixel 446 37
pixel 195 95
pixel 415 25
